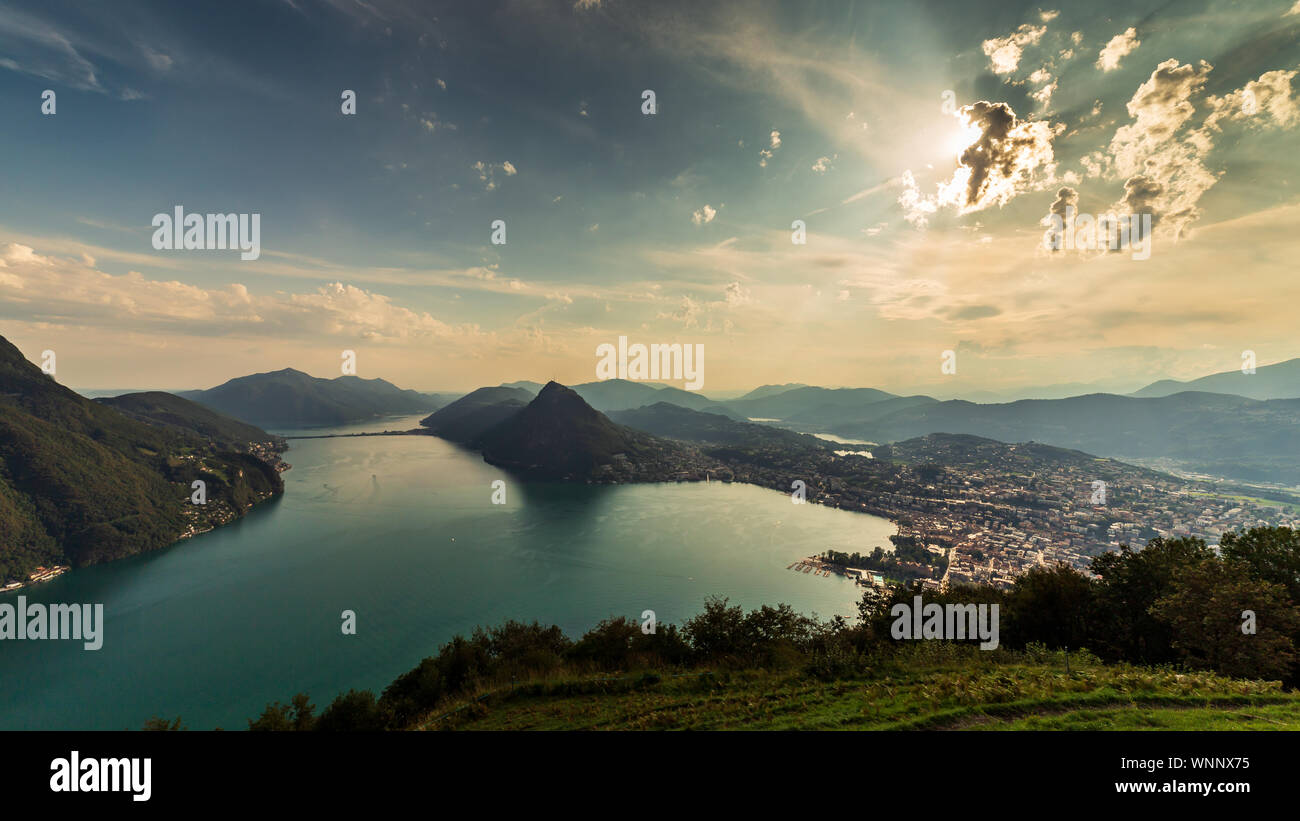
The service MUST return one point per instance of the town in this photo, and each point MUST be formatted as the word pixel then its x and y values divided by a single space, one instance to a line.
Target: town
pixel 994 510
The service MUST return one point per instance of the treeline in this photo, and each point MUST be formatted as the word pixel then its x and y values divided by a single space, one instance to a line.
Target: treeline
pixel 1176 602
pixel 1234 611
pixel 723 635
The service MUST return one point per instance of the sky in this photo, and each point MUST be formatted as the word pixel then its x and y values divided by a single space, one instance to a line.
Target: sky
pixel 918 149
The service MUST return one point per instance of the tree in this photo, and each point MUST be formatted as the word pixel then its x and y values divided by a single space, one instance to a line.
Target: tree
pixel 1131 583
pixel 157 724
pixel 1271 554
pixel 716 632
pixel 1204 611
pixel 353 711
pixel 297 715
pixel 1056 606
pixel 608 645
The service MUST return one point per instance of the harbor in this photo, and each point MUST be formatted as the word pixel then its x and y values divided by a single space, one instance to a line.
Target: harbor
pixel 818 567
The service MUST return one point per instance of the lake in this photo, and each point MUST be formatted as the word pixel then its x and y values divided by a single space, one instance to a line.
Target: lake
pixel 401 530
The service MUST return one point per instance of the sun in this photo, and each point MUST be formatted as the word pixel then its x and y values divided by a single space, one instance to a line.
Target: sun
pixel 963 135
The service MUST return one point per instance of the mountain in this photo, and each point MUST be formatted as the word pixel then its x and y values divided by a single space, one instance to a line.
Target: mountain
pixel 292 398
pixel 831 417
pixel 771 390
pixel 975 453
pixel 524 384
pixel 468 417
pixel 559 436
pixel 1217 434
pixel 1278 381
pixel 621 394
pixel 808 404
pixel 169 410
pixel 81 482
pixel 675 422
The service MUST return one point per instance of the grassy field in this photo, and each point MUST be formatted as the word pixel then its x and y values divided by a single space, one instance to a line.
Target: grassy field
pixel 1239 498
pixel 963 695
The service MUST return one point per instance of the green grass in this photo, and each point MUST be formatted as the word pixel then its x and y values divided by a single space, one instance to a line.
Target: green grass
pixel 961 695
pixel 1239 498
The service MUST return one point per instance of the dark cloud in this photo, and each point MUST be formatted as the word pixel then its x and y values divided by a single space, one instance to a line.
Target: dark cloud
pixel 1141 193
pixel 975 312
pixel 1066 197
pixel 1007 148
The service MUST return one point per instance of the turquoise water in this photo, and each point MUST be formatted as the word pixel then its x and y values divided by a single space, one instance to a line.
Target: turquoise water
pixel 401 530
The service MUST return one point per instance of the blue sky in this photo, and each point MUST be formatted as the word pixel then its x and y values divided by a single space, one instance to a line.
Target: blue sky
pixel 667 228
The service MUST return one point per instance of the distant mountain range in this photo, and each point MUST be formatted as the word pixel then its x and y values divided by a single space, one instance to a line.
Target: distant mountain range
pixel 1278 381
pixel 84 482
pixel 769 390
pixel 621 394
pixel 1233 425
pixel 1216 434
pixel 675 422
pixel 1222 435
pixel 292 398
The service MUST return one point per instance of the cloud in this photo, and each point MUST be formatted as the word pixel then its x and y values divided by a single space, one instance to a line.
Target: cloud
pixel 36 48
pixel 1066 197
pixel 774 142
pixel 735 294
pixel 431 123
pixel 975 312
pixel 822 165
pixel 687 313
pixel 1268 98
pixel 487 172
pixel 64 290
pixel 1008 157
pixel 1162 163
pixel 158 60
pixel 1004 52
pixel 704 216
pixel 1120 46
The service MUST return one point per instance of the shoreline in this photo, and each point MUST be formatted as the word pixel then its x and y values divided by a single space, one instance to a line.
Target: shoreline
pixel 40 574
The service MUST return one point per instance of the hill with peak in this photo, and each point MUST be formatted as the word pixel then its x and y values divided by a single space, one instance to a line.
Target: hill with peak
pixel 621 394
pixel 289 397
pixel 763 391
pixel 1277 381
pixel 466 419
pixel 559 436
pixel 81 482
